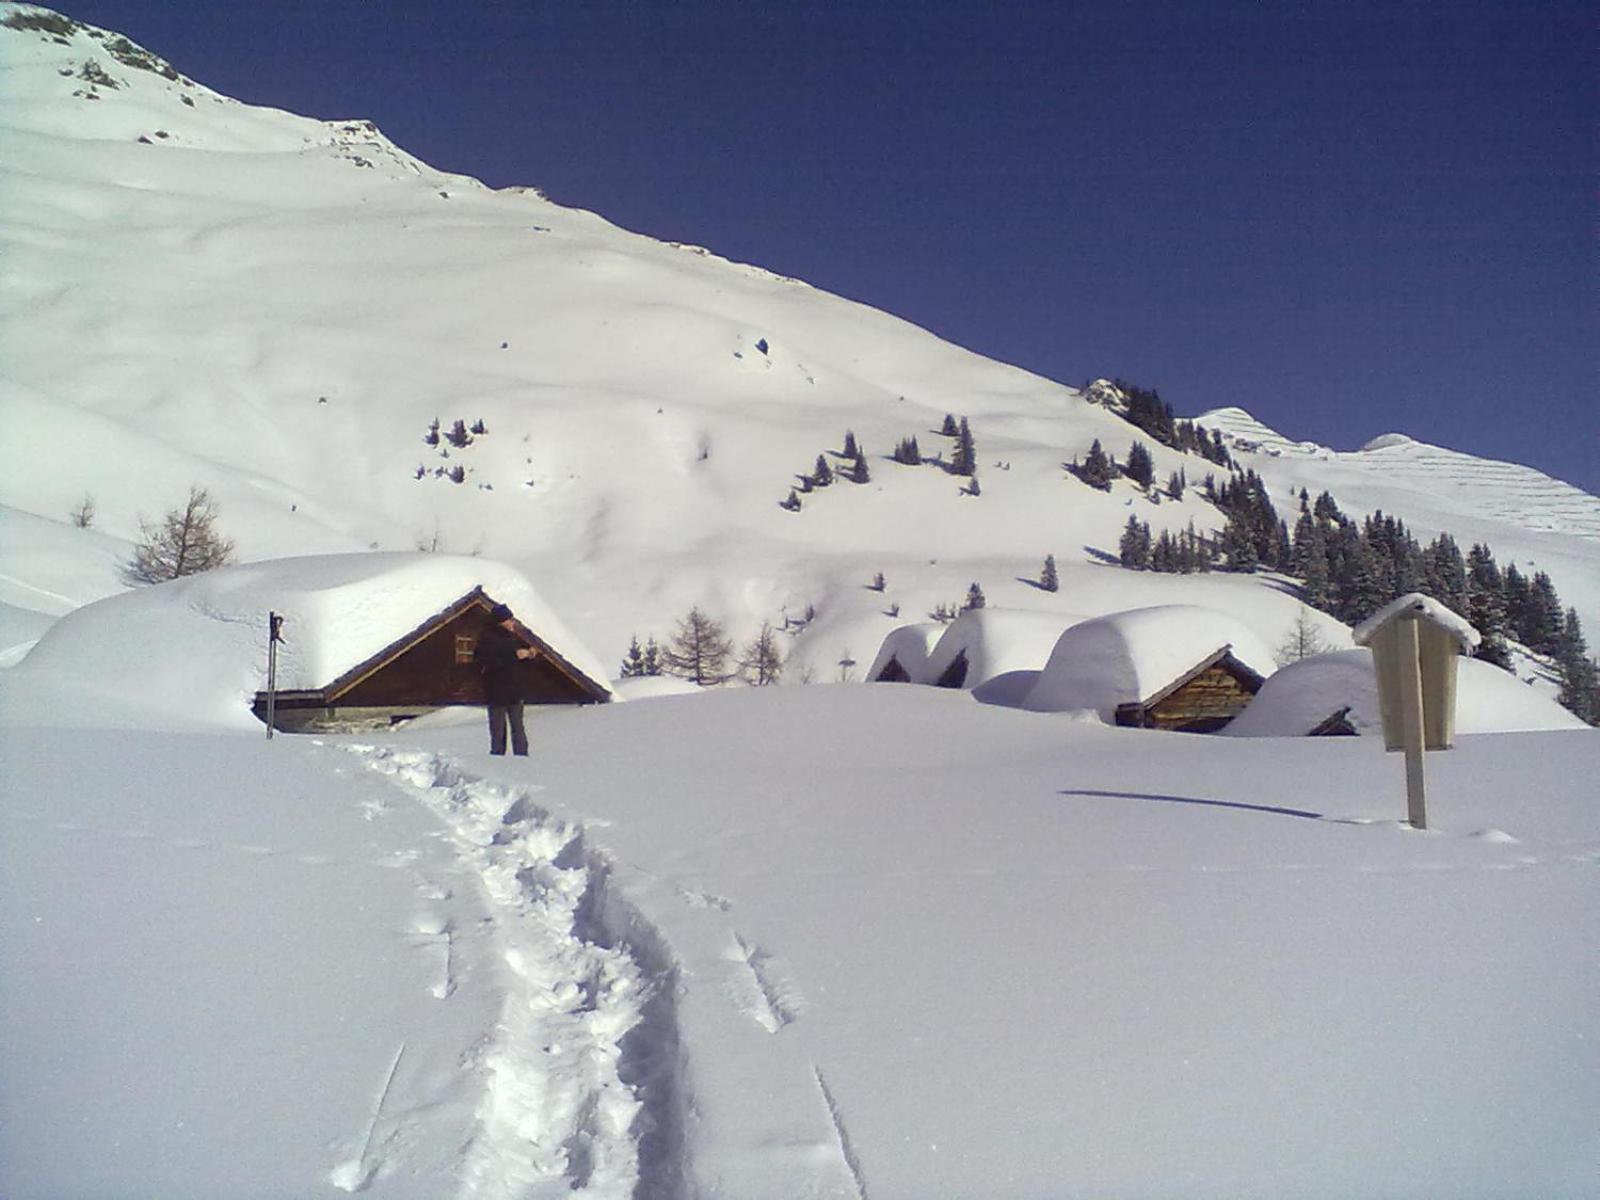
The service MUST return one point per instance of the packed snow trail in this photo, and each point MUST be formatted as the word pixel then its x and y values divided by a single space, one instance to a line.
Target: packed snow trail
pixel 582 1089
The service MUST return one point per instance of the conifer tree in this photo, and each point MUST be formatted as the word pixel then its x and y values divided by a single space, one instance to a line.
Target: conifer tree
pixel 850 449
pixel 633 660
pixel 859 471
pixel 949 428
pixel 761 662
pixel 652 658
pixel 975 599
pixel 1140 466
pixel 1134 549
pixel 964 458
pixel 698 650
pixel 1096 469
pixel 822 473
pixel 908 452
pixel 1176 484
pixel 1048 579
pixel 1579 674
pixel 185 543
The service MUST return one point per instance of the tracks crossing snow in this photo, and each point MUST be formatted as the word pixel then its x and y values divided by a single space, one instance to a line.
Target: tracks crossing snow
pixel 580 1074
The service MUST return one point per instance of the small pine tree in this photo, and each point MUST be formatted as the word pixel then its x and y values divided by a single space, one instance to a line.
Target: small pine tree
pixel 878 582
pixel 1579 674
pixel 822 473
pixel 761 662
pixel 973 488
pixel 964 458
pixel 1096 469
pixel 698 650
pixel 432 436
pixel 633 660
pixel 457 474
pixel 83 515
pixel 185 543
pixel 792 503
pixel 458 435
pixel 1140 466
pixel 1175 485
pixel 975 599
pixel 1302 641
pixel 1134 550
pixel 908 452
pixel 949 428
pixel 859 471
pixel 850 448
pixel 479 427
pixel 652 658
pixel 1048 579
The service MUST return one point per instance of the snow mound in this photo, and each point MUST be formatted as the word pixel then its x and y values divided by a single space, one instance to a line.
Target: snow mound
pixel 195 650
pixel 1002 652
pixel 911 645
pixel 1387 440
pixel 1304 694
pixel 1126 657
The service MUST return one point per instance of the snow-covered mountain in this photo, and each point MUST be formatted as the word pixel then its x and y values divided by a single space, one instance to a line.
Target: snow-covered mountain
pixel 278 309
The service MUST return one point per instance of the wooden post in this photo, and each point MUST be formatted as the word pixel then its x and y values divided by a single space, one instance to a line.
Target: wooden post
pixel 1411 721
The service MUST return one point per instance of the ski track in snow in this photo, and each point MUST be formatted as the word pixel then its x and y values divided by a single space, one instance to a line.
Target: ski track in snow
pixel 581 1072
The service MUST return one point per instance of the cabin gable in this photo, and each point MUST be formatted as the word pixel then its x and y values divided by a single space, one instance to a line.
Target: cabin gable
pixel 432 666
pixel 893 672
pixel 1202 700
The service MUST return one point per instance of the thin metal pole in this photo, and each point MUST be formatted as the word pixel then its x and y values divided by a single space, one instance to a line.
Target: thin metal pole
pixel 274 625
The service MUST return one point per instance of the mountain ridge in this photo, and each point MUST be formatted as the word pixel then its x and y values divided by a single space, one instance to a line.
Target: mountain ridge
pixel 280 313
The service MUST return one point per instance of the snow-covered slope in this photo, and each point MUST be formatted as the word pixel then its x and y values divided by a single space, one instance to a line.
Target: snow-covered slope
pixel 202 292
pixel 1522 514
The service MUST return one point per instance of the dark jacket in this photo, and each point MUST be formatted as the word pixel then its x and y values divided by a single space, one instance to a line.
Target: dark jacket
pixel 502 669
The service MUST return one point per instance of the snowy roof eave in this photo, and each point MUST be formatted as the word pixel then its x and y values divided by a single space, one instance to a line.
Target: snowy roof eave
pixel 1415 605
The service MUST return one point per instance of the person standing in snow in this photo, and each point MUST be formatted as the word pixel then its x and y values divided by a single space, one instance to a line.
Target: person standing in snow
pixel 500 655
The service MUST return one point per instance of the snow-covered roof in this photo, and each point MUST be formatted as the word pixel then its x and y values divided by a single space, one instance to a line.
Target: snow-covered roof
pixel 1129 657
pixel 997 642
pixel 1447 619
pixel 911 644
pixel 1304 694
pixel 198 645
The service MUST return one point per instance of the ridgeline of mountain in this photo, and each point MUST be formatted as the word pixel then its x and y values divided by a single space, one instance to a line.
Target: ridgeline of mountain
pixel 350 349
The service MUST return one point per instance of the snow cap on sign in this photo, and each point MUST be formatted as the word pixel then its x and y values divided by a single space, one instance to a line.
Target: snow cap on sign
pixel 1416 603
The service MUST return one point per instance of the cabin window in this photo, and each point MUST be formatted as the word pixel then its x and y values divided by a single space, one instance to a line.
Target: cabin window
pixel 466 646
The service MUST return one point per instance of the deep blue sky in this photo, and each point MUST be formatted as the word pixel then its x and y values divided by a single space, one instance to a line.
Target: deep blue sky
pixel 1347 217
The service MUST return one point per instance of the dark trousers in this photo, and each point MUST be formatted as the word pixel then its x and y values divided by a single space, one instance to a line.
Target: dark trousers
pixel 501 715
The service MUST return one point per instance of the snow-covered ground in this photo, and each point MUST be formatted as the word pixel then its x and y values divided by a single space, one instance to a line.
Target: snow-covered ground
pixel 850 941
pixel 832 941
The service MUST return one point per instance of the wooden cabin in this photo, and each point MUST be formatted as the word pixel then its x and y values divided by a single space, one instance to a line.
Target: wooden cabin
pixel 430 667
pixel 1201 700
pixel 892 672
pixel 1335 724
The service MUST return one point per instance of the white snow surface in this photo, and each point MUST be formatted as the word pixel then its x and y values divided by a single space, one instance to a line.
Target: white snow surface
pixel 1415 603
pixel 829 941
pixel 1303 694
pixel 194 650
pixel 826 941
pixel 1127 657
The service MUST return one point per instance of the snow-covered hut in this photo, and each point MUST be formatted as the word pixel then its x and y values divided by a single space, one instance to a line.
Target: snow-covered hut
pixel 1175 666
pixel 367 639
pixel 996 653
pixel 903 657
pixel 1338 693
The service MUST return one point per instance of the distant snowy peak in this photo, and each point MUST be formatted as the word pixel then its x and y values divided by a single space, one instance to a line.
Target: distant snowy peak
pixel 1526 496
pixel 1244 432
pixel 123 92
